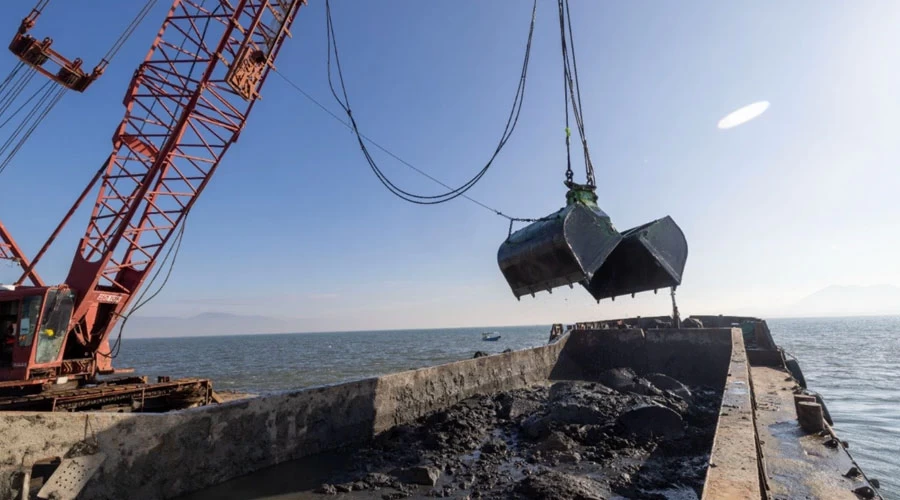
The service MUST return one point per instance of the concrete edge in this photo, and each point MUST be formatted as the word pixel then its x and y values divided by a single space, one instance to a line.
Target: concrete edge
pixel 733 471
pixel 165 455
pixel 403 397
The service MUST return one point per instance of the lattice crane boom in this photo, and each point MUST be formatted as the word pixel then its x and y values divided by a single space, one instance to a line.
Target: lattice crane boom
pixel 185 106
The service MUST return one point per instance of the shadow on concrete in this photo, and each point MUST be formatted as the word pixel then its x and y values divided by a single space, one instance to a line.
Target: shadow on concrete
pixel 233 450
pixel 164 455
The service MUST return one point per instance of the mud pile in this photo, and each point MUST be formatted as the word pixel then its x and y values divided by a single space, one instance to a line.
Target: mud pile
pixel 624 436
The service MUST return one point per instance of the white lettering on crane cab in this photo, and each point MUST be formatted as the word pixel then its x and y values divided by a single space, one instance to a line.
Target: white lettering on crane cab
pixel 109 298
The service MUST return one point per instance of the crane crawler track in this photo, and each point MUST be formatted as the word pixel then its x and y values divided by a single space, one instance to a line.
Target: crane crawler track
pixel 130 396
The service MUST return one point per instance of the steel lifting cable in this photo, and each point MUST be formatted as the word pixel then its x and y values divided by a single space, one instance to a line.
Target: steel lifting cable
pixel 53 101
pixel 12 74
pixel 393 188
pixel 17 86
pixel 123 37
pixel 388 152
pixel 46 101
pixel 129 30
pixel 401 160
pixel 42 89
pixel 17 83
pixel 41 5
pixel 572 93
pixel 49 98
pixel 141 301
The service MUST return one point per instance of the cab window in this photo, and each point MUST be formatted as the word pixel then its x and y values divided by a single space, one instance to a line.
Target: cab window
pixel 31 308
pixel 9 328
pixel 9 316
pixel 54 325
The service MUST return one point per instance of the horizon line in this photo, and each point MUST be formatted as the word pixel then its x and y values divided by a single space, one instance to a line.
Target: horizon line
pixel 535 325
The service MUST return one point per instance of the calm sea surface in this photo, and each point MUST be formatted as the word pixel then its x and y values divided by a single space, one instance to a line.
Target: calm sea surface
pixel 853 362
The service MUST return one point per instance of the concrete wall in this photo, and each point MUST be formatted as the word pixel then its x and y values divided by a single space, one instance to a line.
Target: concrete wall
pixel 165 455
pixel 693 356
pixel 161 456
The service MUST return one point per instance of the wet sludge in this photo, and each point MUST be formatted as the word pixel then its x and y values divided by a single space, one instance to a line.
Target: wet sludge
pixel 621 437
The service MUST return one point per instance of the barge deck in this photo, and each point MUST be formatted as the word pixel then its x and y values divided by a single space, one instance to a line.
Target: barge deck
pixel 288 444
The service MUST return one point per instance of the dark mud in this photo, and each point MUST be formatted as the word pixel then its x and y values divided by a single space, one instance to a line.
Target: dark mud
pixel 628 437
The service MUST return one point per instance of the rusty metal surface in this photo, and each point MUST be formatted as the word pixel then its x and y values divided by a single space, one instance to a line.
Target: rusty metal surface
pixel 13 384
pixel 10 250
pixel 127 393
pixel 40 56
pixel 797 464
pixel 154 175
pixel 70 478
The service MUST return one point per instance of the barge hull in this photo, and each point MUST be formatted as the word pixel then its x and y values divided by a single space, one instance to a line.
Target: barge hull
pixel 171 454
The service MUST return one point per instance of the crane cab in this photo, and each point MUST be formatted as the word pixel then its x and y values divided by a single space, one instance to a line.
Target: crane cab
pixel 34 323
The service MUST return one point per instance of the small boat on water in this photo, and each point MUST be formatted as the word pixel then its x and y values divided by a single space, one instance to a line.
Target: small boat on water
pixel 490 336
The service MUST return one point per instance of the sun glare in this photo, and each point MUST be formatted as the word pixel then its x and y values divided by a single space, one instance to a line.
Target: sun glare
pixel 743 115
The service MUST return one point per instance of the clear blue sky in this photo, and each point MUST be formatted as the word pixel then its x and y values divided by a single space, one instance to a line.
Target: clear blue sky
pixel 295 225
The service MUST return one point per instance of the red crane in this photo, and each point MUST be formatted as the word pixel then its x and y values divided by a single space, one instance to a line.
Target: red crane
pixel 38 54
pixel 186 105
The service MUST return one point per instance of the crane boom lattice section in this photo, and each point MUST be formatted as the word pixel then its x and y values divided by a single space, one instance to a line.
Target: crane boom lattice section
pixel 186 105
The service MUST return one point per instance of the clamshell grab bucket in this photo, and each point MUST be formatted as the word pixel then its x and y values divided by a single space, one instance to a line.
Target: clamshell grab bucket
pixel 649 257
pixel 564 248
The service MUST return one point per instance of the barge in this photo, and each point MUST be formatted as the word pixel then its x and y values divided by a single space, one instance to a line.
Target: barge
pixel 603 410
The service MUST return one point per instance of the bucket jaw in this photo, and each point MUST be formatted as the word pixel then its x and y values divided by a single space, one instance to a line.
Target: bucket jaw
pixel 564 248
pixel 649 257
pixel 579 244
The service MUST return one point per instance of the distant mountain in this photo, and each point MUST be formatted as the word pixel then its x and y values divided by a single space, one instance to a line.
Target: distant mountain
pixel 206 324
pixel 839 300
